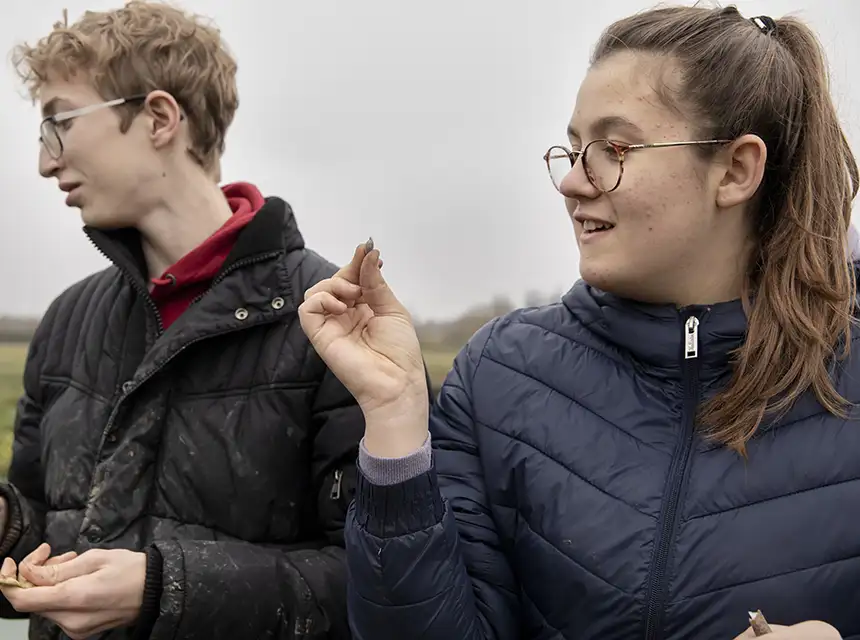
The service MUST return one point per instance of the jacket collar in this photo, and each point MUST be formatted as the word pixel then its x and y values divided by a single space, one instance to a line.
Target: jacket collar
pixel 654 334
pixel 259 292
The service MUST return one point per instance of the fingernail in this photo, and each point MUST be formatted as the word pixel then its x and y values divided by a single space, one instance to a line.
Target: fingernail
pixel 368 246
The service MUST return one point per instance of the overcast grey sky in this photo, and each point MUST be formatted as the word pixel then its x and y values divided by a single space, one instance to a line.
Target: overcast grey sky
pixel 421 124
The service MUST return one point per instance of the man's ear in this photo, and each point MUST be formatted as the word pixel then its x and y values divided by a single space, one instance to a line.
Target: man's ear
pixel 165 116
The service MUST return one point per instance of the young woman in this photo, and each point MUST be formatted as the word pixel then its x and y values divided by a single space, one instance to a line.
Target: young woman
pixel 672 445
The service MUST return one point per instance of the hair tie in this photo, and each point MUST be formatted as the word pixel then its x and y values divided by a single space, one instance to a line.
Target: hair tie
pixel 766 24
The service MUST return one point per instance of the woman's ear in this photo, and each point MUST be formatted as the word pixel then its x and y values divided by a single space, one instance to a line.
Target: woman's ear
pixel 743 171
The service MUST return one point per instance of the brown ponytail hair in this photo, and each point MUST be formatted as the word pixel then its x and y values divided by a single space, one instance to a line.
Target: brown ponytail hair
pixel 738 78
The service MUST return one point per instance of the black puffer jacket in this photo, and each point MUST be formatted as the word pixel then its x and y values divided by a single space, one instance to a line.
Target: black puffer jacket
pixel 223 442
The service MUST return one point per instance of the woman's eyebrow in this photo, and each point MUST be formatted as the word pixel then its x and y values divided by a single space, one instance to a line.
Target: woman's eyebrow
pixel 604 125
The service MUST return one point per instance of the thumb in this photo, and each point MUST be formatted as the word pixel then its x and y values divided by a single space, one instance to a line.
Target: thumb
pixel 350 271
pixel 53 573
pixel 375 291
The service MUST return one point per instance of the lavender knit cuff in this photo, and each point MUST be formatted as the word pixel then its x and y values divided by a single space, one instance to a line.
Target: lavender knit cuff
pixel 388 471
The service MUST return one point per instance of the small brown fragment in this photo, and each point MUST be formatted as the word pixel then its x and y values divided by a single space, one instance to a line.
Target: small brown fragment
pixel 759 625
pixel 8 581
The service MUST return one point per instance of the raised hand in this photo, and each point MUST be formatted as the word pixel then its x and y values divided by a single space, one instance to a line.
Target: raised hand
pixel 366 337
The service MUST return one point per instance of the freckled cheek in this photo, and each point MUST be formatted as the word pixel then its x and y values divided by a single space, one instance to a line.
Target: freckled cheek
pixel 635 214
pixel 649 220
pixel 645 209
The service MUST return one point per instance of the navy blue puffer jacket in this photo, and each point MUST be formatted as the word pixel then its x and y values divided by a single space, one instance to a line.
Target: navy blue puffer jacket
pixel 571 496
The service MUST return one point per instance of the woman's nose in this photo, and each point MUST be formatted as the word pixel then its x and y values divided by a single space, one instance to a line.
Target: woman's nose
pixel 576 183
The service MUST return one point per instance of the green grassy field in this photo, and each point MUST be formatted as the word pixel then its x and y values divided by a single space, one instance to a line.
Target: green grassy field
pixel 438 365
pixel 11 370
pixel 12 366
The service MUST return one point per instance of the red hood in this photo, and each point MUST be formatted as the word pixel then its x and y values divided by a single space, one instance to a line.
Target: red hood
pixel 191 275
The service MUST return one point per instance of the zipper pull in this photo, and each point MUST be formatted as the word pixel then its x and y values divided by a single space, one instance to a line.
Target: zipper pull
pixel 691 338
pixel 335 490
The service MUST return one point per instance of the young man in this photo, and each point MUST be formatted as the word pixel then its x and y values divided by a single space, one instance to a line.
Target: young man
pixel 180 446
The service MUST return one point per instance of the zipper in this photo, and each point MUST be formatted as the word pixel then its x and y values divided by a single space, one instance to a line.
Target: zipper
pixel 335 489
pixel 658 585
pixel 136 285
pixel 691 338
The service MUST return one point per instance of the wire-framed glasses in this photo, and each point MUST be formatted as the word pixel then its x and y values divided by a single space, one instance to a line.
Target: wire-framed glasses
pixel 49 134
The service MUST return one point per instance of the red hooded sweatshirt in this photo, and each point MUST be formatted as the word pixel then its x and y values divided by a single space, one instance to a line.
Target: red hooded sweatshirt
pixel 191 276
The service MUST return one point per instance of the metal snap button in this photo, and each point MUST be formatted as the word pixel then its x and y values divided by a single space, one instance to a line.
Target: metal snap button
pixel 241 313
pixel 278 303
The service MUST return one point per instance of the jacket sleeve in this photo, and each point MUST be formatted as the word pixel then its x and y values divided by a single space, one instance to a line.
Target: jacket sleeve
pixel 225 590
pixel 424 556
pixel 25 490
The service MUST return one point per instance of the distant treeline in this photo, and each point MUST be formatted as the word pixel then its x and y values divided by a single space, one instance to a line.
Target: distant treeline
pixel 441 335
pixel 451 335
pixel 13 329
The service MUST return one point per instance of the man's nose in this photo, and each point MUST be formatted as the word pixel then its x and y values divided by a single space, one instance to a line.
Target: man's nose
pixel 48 165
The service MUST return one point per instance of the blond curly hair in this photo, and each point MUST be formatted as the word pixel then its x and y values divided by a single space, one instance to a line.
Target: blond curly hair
pixel 139 48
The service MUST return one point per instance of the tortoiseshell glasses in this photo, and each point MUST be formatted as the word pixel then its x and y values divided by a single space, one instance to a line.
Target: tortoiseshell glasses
pixel 602 160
